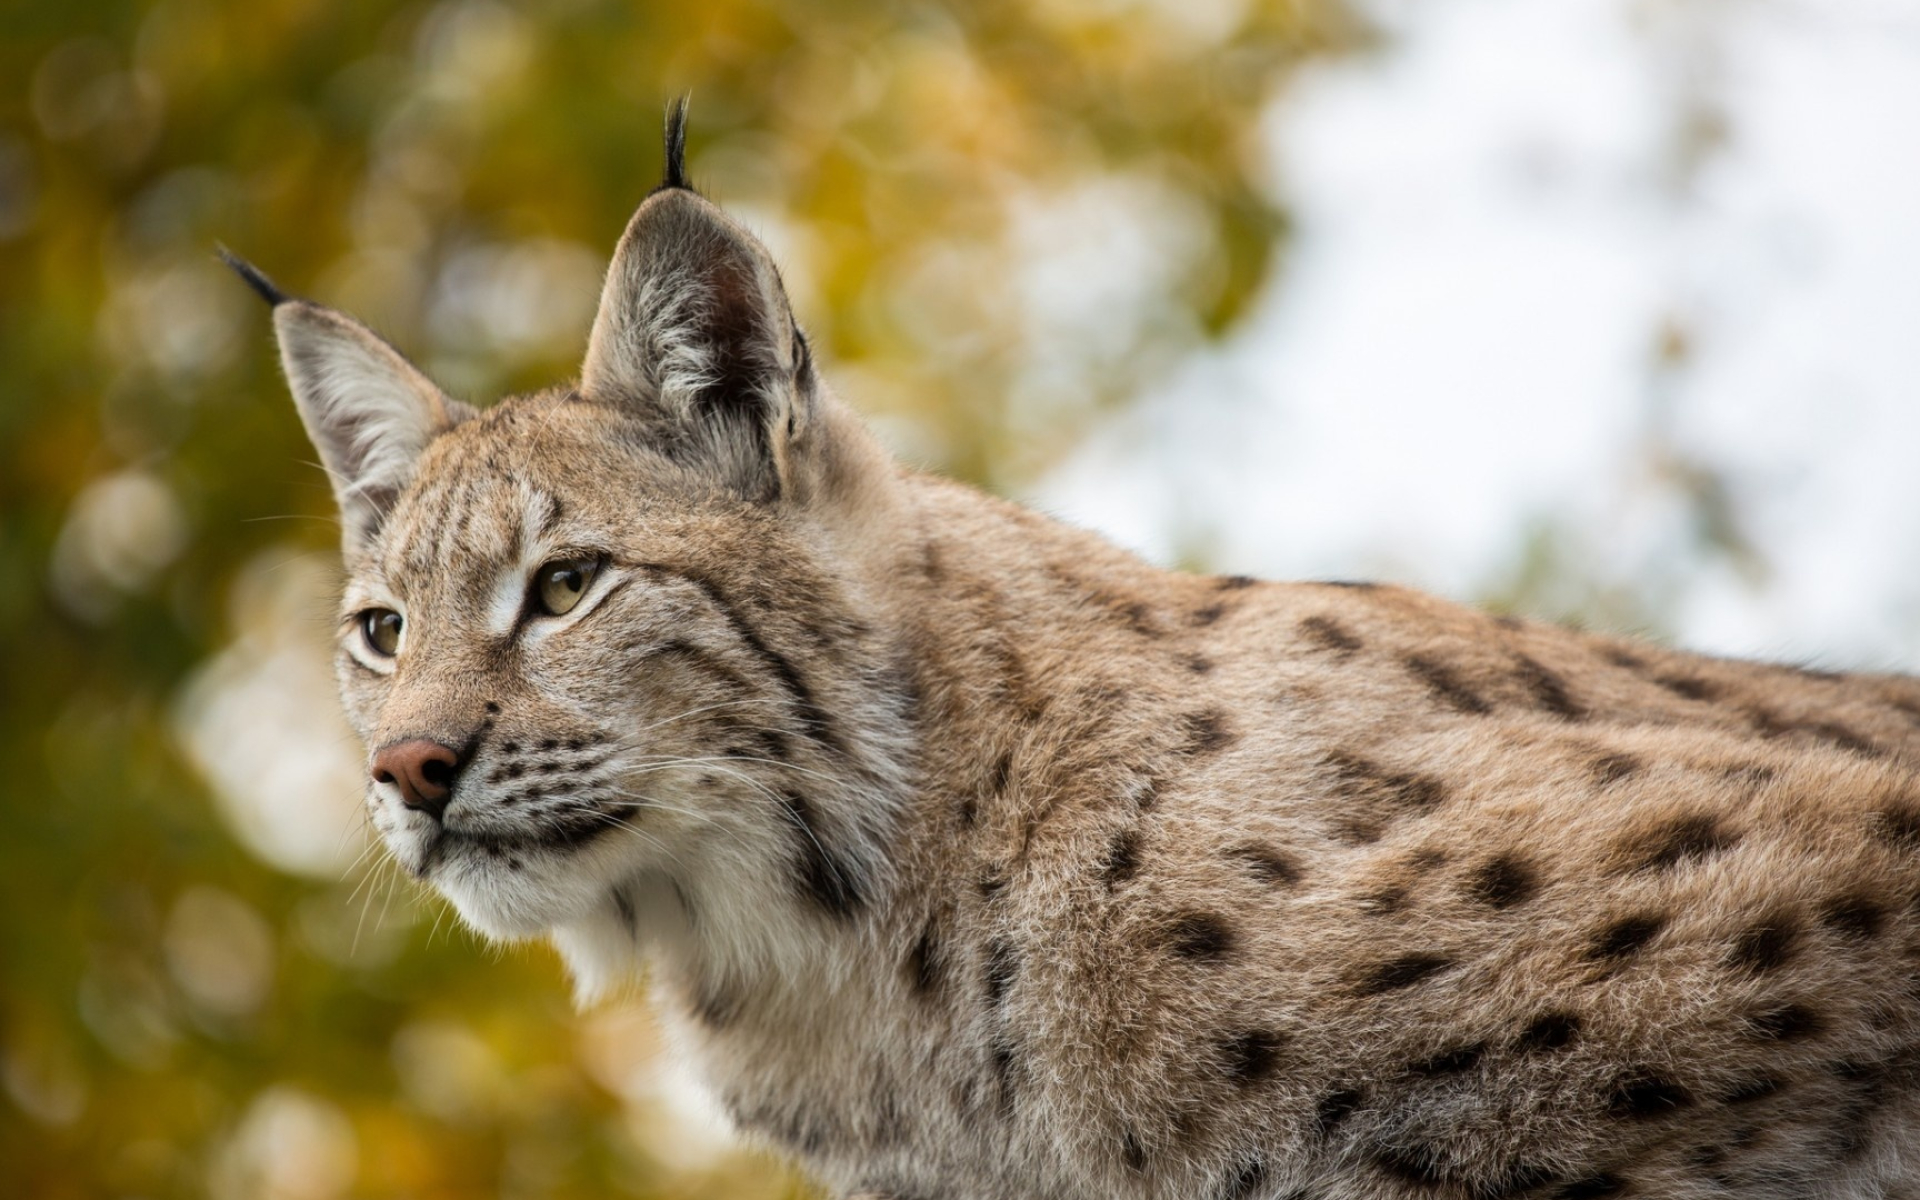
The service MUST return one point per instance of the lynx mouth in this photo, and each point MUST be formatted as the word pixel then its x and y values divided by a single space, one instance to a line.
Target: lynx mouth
pixel 562 832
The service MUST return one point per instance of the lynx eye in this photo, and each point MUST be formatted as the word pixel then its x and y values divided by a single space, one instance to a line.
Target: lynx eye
pixel 558 586
pixel 381 627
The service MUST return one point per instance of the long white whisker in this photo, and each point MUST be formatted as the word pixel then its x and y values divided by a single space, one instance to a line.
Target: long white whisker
pixel 692 712
pixel 656 761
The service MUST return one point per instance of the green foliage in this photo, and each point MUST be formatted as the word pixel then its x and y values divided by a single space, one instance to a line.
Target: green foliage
pixel 174 1006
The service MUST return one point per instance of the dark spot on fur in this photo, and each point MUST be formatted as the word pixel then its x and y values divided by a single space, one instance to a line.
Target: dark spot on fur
pixel 1243 1181
pixel 1899 825
pixel 1123 858
pixel 1209 614
pixel 1401 972
pixel 1002 773
pixel 1451 1062
pixel 510 747
pixel 493 708
pixel 576 744
pixel 1549 1031
pixel 1330 635
pixel 1427 1166
pixel 716 1009
pixel 1771 725
pixel 1612 768
pixel 1357 779
pixel 1269 864
pixel 623 907
pixel 1548 689
pixel 1854 916
pixel 1446 686
pixel 1356 830
pixel 1514 1179
pixel 1592 1187
pixel 1358 585
pixel 1335 1107
pixel 992 884
pixel 1232 583
pixel 1146 794
pixel 550 744
pixel 1205 732
pixel 1139 618
pixel 1003 1071
pixel 1767 945
pixel 1786 1024
pixel 1385 901
pixel 1621 657
pixel 1251 1056
pixel 1646 1097
pixel 773 745
pixel 804 1132
pixel 1200 936
pixel 824 877
pixel 1625 936
pixel 1754 1089
pixel 924 966
pixel 1132 1152
pixel 1002 964
pixel 1410 1164
pixel 1680 841
pixel 1688 687
pixel 1199 664
pixel 1503 883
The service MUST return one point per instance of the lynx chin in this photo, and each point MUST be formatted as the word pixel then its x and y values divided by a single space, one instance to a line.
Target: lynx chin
pixel 975 859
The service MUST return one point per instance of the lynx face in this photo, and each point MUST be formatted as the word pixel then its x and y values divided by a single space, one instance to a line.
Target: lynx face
pixel 600 641
pixel 557 714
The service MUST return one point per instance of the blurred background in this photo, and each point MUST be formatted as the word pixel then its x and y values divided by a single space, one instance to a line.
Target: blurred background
pixel 1602 310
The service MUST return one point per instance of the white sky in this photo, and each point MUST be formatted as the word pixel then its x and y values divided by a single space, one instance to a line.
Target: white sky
pixel 1492 231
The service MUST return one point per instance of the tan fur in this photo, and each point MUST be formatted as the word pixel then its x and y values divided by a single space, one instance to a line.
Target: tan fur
pixel 976 858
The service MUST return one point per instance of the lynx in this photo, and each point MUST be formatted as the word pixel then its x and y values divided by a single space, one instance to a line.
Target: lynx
pixel 972 857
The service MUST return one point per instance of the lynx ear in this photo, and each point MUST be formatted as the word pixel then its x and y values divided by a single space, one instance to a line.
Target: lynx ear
pixel 694 334
pixel 369 411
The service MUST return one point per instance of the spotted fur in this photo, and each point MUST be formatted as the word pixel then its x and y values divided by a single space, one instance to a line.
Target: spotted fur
pixel 976 858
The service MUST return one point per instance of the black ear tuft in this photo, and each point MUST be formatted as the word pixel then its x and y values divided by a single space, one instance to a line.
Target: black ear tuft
pixel 675 175
pixel 253 277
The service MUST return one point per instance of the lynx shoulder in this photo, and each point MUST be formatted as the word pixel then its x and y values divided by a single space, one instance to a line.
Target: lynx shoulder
pixel 976 858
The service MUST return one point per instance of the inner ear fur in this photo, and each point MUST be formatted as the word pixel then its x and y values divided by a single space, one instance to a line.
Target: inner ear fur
pixel 369 411
pixel 695 336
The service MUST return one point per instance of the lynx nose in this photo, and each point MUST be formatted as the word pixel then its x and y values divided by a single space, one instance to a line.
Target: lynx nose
pixel 422 769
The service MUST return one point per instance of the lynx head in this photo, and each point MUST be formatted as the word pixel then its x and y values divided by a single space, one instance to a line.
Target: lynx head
pixel 611 647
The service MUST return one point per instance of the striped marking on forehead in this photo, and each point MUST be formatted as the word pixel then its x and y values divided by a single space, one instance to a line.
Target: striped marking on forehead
pixel 458 519
pixel 468 535
pixel 533 543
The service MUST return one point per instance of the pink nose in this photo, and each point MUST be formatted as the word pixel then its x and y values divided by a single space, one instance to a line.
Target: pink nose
pixel 422 769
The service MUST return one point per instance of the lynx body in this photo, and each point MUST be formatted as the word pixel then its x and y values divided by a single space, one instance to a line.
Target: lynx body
pixel 975 858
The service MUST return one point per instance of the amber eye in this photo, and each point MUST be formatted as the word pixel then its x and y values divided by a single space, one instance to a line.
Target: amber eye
pixel 381 628
pixel 558 586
